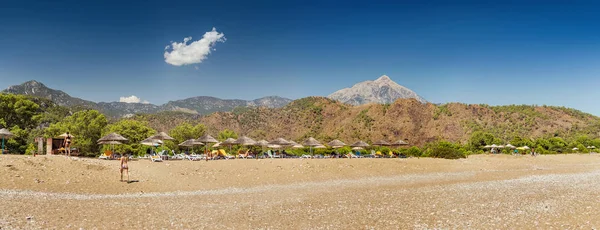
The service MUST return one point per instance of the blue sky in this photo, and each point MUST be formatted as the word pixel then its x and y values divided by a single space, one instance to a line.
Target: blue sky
pixel 470 52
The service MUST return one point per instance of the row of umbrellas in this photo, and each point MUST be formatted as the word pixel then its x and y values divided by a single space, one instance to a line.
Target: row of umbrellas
pixel 155 140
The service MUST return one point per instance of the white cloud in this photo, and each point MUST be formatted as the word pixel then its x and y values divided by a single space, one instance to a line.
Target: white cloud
pixel 132 99
pixel 179 54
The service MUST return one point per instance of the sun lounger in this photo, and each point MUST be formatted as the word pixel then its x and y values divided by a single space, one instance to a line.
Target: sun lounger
pixel 155 158
pixel 225 155
pixel 244 155
pixel 106 155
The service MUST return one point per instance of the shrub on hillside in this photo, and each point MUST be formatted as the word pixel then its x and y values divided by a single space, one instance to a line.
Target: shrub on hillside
pixel 446 150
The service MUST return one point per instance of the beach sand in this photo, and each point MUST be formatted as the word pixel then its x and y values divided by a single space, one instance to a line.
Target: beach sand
pixel 483 191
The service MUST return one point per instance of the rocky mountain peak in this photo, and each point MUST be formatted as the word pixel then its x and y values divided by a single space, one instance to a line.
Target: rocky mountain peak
pixel 384 78
pixel 381 91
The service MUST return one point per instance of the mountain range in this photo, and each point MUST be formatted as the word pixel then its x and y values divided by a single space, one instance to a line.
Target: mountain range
pixel 194 105
pixel 381 91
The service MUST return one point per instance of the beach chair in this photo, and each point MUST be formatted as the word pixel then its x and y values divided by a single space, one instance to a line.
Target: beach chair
pixel 244 155
pixel 225 155
pixel 306 156
pixel 106 155
pixel 391 154
pixel 156 158
pixel 354 155
pixel 163 155
pixel 270 154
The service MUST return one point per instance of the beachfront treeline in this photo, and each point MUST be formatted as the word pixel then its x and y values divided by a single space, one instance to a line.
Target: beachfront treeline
pixel 30 117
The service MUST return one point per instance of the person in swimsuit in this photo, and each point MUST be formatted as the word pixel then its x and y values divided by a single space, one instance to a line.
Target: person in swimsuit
pixel 124 166
pixel 67 144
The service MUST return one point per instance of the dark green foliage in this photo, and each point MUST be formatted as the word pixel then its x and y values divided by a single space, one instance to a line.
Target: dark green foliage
pixel 135 131
pixel 446 150
pixel 85 126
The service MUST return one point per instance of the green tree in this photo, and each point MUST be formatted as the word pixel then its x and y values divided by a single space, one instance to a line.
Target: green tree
pixel 480 139
pixel 413 151
pixel 86 127
pixel 223 135
pixel 186 131
pixel 17 110
pixel 135 131
pixel 447 150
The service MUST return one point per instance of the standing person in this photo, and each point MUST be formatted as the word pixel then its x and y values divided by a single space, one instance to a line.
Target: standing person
pixel 67 144
pixel 124 166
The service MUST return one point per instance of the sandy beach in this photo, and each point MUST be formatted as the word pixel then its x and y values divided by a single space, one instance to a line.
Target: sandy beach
pixel 483 191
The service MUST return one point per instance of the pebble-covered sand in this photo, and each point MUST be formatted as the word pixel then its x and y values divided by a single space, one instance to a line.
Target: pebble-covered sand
pixel 481 192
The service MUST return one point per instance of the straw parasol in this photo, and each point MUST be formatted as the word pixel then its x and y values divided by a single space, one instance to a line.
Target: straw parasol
pixel 207 139
pixel 487 147
pixel 228 142
pixel 262 143
pixel 295 145
pixel 510 146
pixel 279 141
pixel 399 142
pixel 4 133
pixel 111 143
pixel 381 143
pixel 361 144
pixel 162 136
pixel 311 142
pixel 244 140
pixel 336 144
pixel 112 137
pixel 151 142
pixel 320 147
pixel 357 148
pixel 190 143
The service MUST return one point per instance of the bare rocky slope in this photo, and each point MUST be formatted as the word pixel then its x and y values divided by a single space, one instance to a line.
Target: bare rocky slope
pixel 326 119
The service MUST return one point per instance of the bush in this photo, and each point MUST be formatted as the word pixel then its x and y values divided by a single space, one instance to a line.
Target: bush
pixel 446 150
pixel 412 152
pixel 30 149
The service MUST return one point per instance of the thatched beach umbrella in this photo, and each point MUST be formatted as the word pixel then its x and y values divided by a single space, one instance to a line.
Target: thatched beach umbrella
pixel 207 139
pixel 112 137
pixel 228 142
pixel 244 140
pixel 279 141
pixel 336 144
pixel 4 133
pixel 262 143
pixel 510 146
pixel 190 143
pixel 311 142
pixel 111 143
pixel 399 143
pixel 162 136
pixel 381 143
pixel 361 144
pixel 151 142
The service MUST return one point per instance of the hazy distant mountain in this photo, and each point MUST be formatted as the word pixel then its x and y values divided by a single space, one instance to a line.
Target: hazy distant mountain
pixel 206 105
pixel 196 105
pixel 381 91
pixel 34 88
